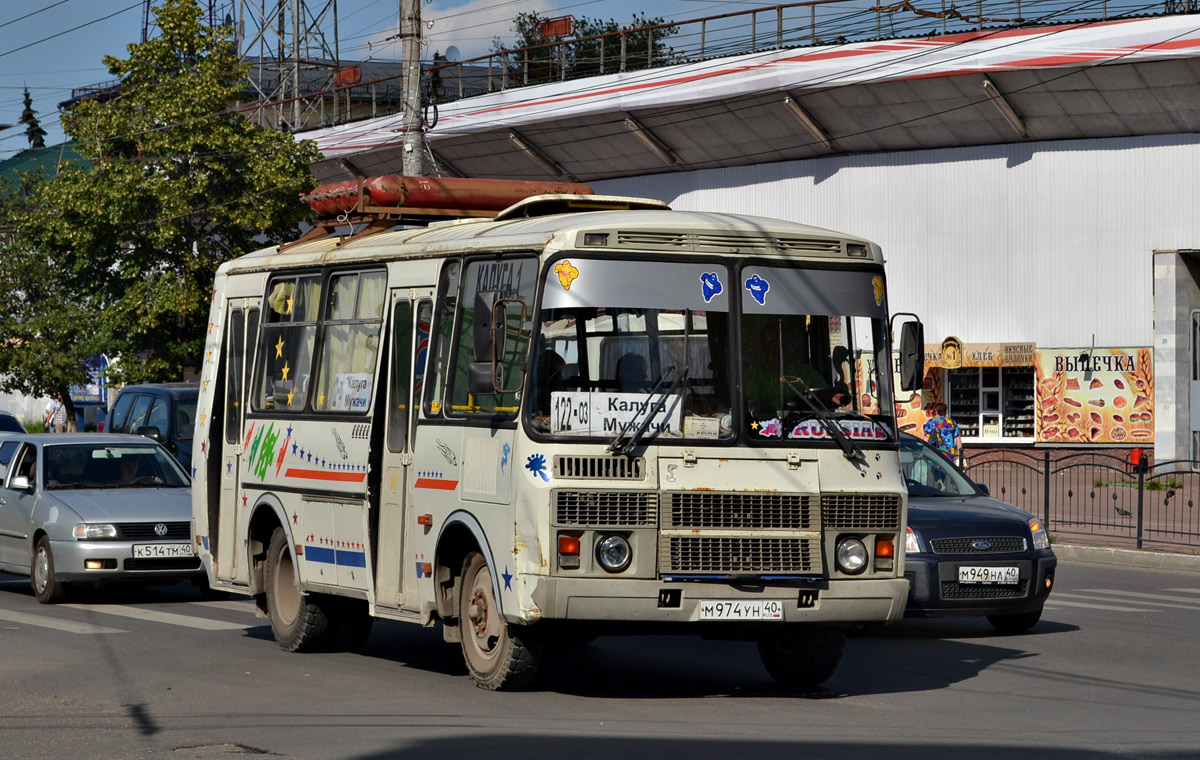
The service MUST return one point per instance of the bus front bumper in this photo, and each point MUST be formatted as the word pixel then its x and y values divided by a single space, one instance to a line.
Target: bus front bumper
pixel 840 602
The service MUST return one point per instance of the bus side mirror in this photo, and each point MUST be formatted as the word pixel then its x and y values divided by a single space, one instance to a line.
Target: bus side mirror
pixel 912 355
pixel 485 377
pixel 489 315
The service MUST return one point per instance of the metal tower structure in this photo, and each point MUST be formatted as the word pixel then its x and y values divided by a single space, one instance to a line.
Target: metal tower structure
pixel 291 57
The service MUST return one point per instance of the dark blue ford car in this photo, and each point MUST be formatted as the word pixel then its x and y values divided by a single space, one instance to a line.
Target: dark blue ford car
pixel 967 553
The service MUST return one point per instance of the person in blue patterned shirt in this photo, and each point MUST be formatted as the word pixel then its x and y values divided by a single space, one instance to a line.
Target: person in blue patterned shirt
pixel 942 432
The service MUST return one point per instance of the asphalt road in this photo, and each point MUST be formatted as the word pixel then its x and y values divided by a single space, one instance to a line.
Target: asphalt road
pixel 1113 670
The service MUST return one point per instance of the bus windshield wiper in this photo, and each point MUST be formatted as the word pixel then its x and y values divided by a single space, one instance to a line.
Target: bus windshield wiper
pixel 623 445
pixel 849 449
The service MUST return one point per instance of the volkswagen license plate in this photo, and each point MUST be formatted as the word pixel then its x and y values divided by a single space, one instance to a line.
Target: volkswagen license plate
pixel 1008 575
pixel 162 551
pixel 764 609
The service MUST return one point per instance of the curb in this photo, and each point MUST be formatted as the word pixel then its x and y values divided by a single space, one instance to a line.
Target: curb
pixel 1108 555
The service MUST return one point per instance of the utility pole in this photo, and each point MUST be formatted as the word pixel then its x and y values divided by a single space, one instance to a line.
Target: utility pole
pixel 410 48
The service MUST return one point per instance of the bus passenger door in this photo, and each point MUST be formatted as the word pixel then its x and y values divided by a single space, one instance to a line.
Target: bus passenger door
pixel 411 312
pixel 240 343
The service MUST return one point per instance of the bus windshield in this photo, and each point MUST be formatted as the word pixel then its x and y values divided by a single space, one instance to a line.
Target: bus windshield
pixel 650 348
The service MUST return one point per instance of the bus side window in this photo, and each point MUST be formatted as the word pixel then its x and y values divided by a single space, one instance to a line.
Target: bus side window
pixel 289 332
pixel 350 343
pixel 513 279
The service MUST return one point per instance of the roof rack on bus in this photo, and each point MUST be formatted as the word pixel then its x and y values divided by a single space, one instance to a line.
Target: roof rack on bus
pixel 385 201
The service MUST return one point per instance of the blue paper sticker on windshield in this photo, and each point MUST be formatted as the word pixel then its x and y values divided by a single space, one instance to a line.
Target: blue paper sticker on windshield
pixel 758 288
pixel 710 286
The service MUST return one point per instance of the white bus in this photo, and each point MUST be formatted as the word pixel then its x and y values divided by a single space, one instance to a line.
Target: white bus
pixel 579 416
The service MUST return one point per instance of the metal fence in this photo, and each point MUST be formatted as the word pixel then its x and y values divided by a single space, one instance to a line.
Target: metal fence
pixel 1097 494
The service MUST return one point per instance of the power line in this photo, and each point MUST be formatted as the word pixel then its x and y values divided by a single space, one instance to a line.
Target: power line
pixel 72 29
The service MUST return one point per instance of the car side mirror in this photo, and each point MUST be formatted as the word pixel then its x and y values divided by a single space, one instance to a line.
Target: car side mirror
pixel 150 431
pixel 982 487
pixel 20 483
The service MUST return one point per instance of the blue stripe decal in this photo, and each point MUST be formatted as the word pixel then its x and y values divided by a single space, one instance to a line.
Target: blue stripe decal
pixel 319 554
pixel 351 559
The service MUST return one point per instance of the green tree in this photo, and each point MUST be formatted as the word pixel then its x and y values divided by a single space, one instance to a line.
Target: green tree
pixel 594 47
pixel 177 184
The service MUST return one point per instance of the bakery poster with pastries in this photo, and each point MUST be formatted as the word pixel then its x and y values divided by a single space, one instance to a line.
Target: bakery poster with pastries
pixel 1097 395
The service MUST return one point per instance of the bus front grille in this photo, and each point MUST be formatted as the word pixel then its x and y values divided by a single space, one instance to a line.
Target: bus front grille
pixel 605 508
pixel 860 510
pixel 747 511
pixel 699 554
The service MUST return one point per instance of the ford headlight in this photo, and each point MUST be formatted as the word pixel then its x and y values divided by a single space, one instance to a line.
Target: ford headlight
pixel 95 530
pixel 1041 539
pixel 911 546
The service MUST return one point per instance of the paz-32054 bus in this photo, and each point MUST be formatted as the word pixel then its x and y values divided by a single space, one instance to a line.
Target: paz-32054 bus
pixel 579 415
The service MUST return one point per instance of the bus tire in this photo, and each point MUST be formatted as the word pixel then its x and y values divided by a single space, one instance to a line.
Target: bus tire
pixel 298 620
pixel 499 656
pixel 801 656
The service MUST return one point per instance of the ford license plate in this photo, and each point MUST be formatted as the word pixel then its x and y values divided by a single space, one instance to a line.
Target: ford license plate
pixel 763 609
pixel 162 551
pixel 1008 575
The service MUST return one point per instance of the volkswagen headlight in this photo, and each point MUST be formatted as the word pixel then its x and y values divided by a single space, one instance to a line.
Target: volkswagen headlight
pixel 1041 538
pixel 95 530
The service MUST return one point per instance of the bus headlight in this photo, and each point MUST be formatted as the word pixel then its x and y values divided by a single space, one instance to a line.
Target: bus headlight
pixel 851 556
pixel 614 553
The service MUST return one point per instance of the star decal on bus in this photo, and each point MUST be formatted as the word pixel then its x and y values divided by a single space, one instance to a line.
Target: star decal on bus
pixel 279 348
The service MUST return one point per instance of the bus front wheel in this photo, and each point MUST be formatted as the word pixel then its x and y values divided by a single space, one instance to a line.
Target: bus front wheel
pixel 801 656
pixel 499 656
pixel 299 622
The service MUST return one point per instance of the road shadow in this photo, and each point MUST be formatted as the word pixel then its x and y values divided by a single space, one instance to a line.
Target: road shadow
pixel 507 746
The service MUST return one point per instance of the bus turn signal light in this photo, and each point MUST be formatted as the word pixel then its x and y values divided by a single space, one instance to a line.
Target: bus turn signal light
pixel 568 545
pixel 884 547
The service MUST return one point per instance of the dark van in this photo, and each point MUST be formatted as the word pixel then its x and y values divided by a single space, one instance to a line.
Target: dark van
pixel 165 412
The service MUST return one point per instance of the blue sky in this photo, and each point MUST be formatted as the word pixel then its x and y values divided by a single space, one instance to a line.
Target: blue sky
pixel 53 46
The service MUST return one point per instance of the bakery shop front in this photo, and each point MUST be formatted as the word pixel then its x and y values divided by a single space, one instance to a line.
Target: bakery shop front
pixel 1019 393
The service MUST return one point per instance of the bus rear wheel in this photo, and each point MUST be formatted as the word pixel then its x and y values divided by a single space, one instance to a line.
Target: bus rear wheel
pixel 499 656
pixel 298 620
pixel 801 656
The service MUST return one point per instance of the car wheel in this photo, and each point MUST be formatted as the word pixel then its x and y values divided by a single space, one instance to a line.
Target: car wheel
pixel 1015 623
pixel 46 587
pixel 499 656
pixel 299 621
pixel 801 656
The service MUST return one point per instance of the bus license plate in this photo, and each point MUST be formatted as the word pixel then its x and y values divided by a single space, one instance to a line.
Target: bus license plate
pixel 161 551
pixel 765 609
pixel 1002 575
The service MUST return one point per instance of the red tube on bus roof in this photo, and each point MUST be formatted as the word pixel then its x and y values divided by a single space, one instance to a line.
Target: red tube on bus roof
pixel 444 193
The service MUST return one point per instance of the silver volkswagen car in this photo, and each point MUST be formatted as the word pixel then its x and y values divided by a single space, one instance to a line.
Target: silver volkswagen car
pixel 93 508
